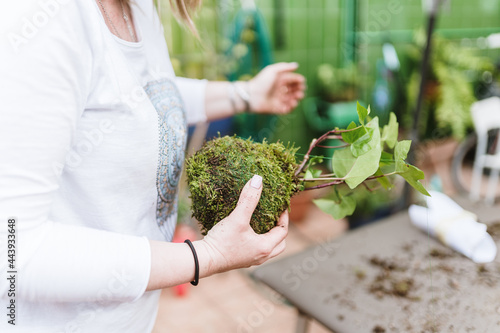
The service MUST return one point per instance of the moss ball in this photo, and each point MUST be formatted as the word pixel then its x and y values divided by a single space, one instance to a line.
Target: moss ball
pixel 220 169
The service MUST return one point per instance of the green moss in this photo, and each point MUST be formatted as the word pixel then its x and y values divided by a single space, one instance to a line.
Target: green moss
pixel 220 169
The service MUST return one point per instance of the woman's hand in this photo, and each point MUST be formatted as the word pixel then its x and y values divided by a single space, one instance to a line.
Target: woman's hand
pixel 232 243
pixel 276 89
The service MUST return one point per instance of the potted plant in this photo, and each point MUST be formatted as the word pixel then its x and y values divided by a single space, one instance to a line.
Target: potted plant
pixel 337 90
pixel 219 170
pixel 448 95
pixel 449 92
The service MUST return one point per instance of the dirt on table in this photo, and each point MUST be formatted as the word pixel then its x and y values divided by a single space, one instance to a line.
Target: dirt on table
pixel 378 329
pixel 494 230
pixel 387 265
pixel 441 254
pixel 394 278
pixel 388 281
pixel 428 283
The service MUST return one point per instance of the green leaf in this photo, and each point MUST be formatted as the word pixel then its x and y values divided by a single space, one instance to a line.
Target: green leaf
pixel 413 175
pixel 409 172
pixel 390 131
pixel 316 173
pixel 384 181
pixel 386 159
pixel 364 143
pixel 312 173
pixel 351 136
pixel 400 152
pixel 362 113
pixel 342 162
pixel 337 209
pixel 315 160
pixel 355 169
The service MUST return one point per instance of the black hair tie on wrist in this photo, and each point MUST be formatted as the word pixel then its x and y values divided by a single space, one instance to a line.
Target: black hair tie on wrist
pixel 196 263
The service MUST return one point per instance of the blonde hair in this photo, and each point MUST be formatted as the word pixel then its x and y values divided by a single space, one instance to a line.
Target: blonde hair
pixel 182 9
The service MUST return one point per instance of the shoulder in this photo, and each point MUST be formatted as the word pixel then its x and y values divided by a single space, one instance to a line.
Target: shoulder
pixel 49 42
pixel 28 23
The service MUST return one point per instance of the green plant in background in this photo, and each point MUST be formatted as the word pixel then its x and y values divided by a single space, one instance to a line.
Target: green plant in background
pixel 219 170
pixel 371 207
pixel 449 92
pixel 338 84
pixel 334 101
pixel 183 210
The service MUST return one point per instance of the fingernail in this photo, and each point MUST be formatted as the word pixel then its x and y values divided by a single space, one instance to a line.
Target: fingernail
pixel 256 181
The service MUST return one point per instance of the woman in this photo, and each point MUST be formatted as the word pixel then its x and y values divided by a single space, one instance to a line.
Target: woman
pixel 92 138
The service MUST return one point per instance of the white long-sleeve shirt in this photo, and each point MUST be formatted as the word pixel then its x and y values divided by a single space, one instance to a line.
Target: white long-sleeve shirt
pixel 92 136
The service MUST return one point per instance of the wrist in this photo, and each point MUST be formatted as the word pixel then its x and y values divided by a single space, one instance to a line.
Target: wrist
pixel 208 262
pixel 243 96
pixel 250 86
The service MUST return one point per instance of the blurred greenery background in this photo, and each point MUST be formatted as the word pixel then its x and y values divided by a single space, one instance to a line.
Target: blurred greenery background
pixel 339 33
pixel 339 45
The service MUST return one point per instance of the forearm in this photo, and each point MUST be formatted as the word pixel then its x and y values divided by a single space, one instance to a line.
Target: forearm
pixel 218 96
pixel 66 263
pixel 173 264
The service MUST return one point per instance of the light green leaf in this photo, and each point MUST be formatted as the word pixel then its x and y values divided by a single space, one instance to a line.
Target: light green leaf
pixel 316 173
pixel 362 113
pixel 315 160
pixel 400 152
pixel 337 209
pixel 350 137
pixel 413 175
pixel 390 131
pixel 384 181
pixel 342 162
pixel 409 172
pixel 312 173
pixel 356 169
pixel 364 143
pixel 386 159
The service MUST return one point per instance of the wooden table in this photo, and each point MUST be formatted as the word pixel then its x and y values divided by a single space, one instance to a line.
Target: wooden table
pixel 391 277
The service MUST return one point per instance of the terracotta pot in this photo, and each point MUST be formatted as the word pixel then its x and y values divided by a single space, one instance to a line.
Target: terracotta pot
pixel 432 91
pixel 435 157
pixel 300 204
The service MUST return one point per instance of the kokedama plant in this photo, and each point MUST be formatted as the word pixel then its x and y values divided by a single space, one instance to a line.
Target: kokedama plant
pixel 219 170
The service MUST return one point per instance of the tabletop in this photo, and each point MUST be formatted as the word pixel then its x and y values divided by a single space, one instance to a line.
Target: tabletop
pixel 391 277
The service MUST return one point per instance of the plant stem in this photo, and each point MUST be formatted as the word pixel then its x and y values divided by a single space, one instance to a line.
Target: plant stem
pixel 333 134
pixel 323 185
pixel 344 131
pixel 334 147
pixel 319 179
pixel 306 157
pixel 334 137
pixel 338 181
pixel 328 175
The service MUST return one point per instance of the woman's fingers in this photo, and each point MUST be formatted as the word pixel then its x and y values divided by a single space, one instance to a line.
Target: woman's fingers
pixel 290 78
pixel 277 234
pixel 233 244
pixel 281 67
pixel 249 198
pixel 283 220
pixel 278 249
